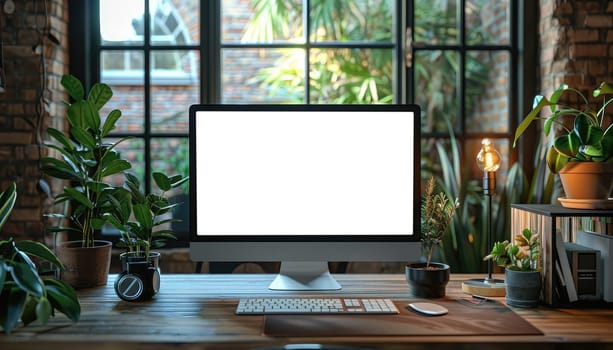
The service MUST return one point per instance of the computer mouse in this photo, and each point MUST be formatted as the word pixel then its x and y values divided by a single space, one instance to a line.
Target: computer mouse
pixel 429 309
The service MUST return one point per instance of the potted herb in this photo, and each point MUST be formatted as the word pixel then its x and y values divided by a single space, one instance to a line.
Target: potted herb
pixel 24 295
pixel 521 260
pixel 582 153
pixel 430 279
pixel 141 219
pixel 88 162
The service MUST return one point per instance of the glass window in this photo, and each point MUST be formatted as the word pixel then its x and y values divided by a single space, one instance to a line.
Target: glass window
pixel 452 57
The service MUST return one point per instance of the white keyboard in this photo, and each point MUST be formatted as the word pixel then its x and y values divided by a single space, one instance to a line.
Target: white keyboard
pixel 321 305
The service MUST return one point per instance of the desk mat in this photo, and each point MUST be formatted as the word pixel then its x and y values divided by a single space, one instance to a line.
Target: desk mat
pixel 465 317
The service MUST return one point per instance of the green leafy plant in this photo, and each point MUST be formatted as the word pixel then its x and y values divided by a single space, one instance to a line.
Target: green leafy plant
pixel 521 255
pixel 589 140
pixel 24 295
pixel 437 213
pixel 140 217
pixel 86 159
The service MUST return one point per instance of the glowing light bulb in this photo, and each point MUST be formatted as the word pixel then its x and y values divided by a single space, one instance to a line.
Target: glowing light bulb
pixel 488 158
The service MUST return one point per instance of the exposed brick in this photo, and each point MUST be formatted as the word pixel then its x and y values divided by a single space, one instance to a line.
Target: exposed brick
pixel 25 214
pixel 16 138
pixel 599 21
pixel 583 35
pixel 587 50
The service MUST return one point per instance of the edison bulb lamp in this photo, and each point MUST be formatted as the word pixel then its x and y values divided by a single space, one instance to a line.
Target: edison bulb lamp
pixel 488 160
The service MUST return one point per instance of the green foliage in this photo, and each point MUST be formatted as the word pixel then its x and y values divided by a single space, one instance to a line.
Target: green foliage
pixel 24 295
pixel 138 216
pixel 521 255
pixel 335 75
pixel 589 140
pixel 85 159
pixel 436 214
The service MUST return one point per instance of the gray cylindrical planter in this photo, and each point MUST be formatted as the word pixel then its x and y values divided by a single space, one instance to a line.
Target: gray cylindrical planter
pixel 427 283
pixel 523 288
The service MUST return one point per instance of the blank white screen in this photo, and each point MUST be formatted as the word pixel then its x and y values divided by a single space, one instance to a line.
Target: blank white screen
pixel 304 173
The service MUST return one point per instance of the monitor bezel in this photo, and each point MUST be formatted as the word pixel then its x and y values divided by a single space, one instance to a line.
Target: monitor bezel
pixel 194 237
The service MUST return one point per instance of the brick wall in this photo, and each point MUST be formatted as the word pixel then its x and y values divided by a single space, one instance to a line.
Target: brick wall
pixel 35 45
pixel 576 44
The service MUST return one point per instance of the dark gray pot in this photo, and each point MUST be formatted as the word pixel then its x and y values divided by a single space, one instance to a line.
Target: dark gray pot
pixel 427 283
pixel 523 288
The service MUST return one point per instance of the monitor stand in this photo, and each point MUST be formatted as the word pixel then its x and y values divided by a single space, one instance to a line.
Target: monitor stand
pixel 304 275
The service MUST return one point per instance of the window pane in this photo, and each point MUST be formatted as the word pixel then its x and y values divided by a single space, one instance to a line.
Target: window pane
pixel 436 80
pixel 436 22
pixel 175 22
pixel 366 20
pixel 121 27
pixel 487 91
pixel 129 99
pixel 487 22
pixel 174 67
pixel 173 92
pixel 351 76
pixel 262 75
pixel 124 67
pixel 261 21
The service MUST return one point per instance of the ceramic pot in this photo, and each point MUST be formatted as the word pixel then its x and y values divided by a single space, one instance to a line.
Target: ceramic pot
pixel 587 180
pixel 427 283
pixel 84 267
pixel 523 288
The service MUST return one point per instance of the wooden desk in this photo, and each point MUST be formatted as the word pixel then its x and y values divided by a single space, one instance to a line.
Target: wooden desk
pixel 196 311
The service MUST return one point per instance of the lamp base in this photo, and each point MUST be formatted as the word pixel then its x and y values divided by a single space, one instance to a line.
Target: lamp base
pixel 484 287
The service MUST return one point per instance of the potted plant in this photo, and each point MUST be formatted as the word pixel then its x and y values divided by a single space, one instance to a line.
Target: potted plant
pixel 88 162
pixel 581 154
pixel 430 279
pixel 24 295
pixel 521 260
pixel 141 219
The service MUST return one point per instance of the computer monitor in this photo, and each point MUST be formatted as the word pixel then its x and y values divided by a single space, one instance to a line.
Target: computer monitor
pixel 304 185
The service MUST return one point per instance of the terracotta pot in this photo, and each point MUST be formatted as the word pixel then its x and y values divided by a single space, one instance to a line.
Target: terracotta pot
pixel 85 267
pixel 587 180
pixel 427 283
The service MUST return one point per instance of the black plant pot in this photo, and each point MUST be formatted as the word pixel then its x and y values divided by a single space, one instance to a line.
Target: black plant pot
pixel 427 283
pixel 140 279
pixel 523 288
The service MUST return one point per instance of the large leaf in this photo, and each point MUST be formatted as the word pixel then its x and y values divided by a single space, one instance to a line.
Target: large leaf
pixel 115 166
pixel 58 169
pixel 99 95
pixel 12 301
pixel 79 197
pixel 61 138
pixel 567 144
pixel 39 250
pixel 73 86
pixel 26 278
pixel 143 215
pixel 540 102
pixel 162 181
pixel 7 201
pixel 83 137
pixel 603 89
pixel 109 123
pixel 556 160
pixel 588 133
pixel 63 298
